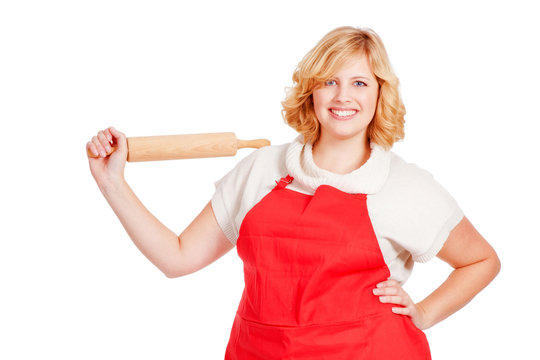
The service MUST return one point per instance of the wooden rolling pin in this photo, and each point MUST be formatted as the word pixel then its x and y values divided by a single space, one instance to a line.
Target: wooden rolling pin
pixel 188 146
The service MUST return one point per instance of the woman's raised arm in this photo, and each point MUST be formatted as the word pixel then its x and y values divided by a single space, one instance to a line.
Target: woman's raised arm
pixel 200 244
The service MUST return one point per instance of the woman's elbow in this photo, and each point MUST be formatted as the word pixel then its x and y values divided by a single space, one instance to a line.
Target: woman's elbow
pixel 171 274
pixel 495 264
pixel 491 265
pixel 175 271
pixel 172 271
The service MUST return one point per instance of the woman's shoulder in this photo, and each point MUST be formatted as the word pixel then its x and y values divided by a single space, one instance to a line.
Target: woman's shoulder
pixel 410 182
pixel 271 152
pixel 260 163
pixel 404 171
pixel 264 160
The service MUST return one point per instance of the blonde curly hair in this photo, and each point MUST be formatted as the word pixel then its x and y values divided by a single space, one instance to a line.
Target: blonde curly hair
pixel 323 61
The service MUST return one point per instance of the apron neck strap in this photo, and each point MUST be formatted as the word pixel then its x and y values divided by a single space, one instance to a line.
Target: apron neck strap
pixel 284 181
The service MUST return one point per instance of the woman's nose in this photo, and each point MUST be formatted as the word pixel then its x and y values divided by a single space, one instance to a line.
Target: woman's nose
pixel 343 93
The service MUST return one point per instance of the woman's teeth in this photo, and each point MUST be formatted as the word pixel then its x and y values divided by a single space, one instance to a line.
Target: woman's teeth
pixel 343 112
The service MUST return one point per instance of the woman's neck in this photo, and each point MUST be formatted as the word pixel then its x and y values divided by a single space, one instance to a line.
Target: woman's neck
pixel 341 156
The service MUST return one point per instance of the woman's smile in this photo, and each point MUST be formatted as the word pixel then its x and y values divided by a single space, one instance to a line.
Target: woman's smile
pixel 342 114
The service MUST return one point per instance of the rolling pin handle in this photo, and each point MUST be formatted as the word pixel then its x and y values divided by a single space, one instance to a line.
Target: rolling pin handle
pixel 258 143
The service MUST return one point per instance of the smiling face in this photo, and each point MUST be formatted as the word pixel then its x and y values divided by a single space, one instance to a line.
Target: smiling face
pixel 345 104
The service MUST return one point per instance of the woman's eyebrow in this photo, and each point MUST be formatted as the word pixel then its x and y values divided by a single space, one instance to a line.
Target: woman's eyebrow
pixel 356 77
pixel 361 77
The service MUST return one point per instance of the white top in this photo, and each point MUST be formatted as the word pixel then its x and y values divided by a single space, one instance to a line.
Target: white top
pixel 411 213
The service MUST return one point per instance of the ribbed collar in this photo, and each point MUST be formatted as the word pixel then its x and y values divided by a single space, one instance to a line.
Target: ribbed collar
pixel 368 179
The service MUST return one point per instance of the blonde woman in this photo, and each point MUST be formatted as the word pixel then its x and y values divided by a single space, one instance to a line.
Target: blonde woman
pixel 328 226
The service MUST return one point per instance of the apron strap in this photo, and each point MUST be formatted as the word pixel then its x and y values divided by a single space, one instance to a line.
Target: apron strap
pixel 284 181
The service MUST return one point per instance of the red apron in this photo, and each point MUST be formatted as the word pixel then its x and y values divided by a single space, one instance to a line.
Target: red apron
pixel 310 265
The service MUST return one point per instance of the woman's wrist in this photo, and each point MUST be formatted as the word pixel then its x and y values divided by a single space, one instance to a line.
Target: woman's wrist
pixel 425 320
pixel 111 185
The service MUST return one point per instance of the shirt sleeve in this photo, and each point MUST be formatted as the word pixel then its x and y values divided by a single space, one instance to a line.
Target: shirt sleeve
pixel 227 201
pixel 438 215
pixel 415 211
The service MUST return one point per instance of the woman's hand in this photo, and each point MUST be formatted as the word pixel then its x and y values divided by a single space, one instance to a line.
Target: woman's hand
pixel 108 169
pixel 390 291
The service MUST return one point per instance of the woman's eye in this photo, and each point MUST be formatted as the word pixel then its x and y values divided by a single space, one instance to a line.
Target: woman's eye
pixel 330 82
pixel 359 83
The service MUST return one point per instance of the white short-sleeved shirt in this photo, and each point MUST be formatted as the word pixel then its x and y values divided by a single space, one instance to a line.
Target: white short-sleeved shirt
pixel 411 213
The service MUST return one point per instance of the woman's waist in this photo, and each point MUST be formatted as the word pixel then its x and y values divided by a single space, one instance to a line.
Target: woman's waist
pixel 306 312
pixel 312 300
pixel 307 324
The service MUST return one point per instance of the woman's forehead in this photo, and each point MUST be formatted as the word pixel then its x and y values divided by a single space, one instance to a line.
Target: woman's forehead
pixel 356 66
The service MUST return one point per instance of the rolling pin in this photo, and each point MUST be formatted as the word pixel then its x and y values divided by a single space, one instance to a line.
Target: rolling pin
pixel 187 146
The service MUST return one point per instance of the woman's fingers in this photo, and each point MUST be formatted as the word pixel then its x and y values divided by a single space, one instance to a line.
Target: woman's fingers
pixel 119 137
pixel 101 144
pixel 92 148
pixel 402 310
pixel 115 132
pixel 99 147
pixel 391 292
pixel 108 136
pixel 400 300
pixel 104 141
pixel 386 291
pixel 388 283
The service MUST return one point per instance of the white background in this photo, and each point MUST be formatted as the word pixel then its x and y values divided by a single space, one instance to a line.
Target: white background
pixel 73 286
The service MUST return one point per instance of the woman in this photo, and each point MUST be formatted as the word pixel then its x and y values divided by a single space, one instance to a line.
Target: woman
pixel 328 226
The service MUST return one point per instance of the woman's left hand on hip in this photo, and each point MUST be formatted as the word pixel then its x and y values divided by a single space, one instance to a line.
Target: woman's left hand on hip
pixel 390 291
